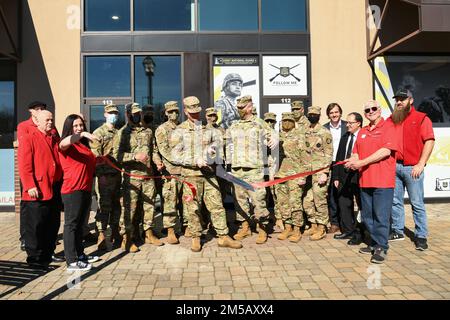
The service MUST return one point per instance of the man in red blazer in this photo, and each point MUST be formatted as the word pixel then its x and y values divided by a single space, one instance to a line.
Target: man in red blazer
pixel 24 128
pixel 40 173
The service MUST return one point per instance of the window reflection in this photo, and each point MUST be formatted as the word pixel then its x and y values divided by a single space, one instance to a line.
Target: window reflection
pixel 163 15
pixel 107 15
pixel 283 15
pixel 107 76
pixel 230 15
pixel 6 114
pixel 97 117
pixel 157 81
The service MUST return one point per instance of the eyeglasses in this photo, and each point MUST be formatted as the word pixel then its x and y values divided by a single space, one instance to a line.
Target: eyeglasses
pixel 352 122
pixel 373 109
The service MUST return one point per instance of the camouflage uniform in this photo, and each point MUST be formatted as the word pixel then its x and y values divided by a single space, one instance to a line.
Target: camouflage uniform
pixel 129 141
pixel 303 122
pixel 319 143
pixel 108 181
pixel 246 151
pixel 172 188
pixel 190 142
pixel 272 164
pixel 292 161
pixel 226 105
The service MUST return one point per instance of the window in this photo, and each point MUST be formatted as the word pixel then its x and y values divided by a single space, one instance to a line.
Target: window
pixel 97 118
pixel 107 76
pixel 107 15
pixel 163 15
pixel 6 114
pixel 230 15
pixel 157 80
pixel 283 15
pixel 428 78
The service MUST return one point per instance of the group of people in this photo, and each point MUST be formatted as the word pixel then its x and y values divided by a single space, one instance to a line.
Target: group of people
pixel 194 165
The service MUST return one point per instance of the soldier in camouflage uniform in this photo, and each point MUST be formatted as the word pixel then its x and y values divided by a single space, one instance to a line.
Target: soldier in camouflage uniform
pixel 226 104
pixel 319 145
pixel 108 180
pixel 194 148
pixel 135 149
pixel 289 194
pixel 172 188
pixel 271 119
pixel 246 151
pixel 298 109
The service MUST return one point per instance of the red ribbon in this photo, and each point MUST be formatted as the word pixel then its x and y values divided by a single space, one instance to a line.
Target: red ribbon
pixel 104 159
pixel 292 177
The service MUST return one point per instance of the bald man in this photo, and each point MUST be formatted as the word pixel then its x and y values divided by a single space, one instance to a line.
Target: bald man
pixel 40 175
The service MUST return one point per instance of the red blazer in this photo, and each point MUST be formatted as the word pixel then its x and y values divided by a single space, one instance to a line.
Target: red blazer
pixel 39 164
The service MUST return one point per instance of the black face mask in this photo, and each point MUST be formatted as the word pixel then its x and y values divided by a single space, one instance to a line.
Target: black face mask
pixel 148 119
pixel 313 118
pixel 136 118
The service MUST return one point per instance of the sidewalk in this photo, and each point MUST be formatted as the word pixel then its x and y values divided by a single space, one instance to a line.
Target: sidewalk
pixel 328 269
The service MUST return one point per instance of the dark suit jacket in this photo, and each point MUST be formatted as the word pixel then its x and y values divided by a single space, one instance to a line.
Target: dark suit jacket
pixel 343 127
pixel 341 174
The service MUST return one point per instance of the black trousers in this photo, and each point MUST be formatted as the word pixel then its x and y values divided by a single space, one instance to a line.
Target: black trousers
pixel 40 222
pixel 77 206
pixel 333 208
pixel 347 194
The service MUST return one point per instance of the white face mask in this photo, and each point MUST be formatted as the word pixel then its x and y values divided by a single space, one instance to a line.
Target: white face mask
pixel 112 118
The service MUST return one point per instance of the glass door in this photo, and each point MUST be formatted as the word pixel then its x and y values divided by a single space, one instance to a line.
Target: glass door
pixel 93 111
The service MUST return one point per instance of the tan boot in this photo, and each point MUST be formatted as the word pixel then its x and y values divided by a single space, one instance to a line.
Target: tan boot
pixel 262 235
pixel 320 233
pixel 279 224
pixel 286 233
pixel 243 232
pixel 101 241
pixel 196 245
pixel 296 235
pixel 150 238
pixel 133 248
pixel 187 232
pixel 171 236
pixel 128 245
pixel 311 230
pixel 227 242
pixel 116 238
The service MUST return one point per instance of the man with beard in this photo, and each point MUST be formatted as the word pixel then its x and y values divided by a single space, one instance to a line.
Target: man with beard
pixel 416 141
pixel 226 105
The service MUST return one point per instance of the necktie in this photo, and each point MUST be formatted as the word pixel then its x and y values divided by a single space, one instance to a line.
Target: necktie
pixel 350 147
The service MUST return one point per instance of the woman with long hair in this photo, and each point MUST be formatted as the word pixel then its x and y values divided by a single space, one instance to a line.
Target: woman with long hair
pixel 78 164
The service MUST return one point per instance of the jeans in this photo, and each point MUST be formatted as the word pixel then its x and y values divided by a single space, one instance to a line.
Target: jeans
pixel 77 206
pixel 414 187
pixel 376 206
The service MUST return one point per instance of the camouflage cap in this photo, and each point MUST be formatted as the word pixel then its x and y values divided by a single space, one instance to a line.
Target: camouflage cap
pixel 243 101
pixel 170 106
pixel 295 105
pixel 134 107
pixel 287 116
pixel 111 108
pixel 211 111
pixel 314 110
pixel 147 108
pixel 192 104
pixel 270 116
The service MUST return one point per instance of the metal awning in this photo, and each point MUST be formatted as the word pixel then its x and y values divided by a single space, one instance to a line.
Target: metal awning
pixel 411 26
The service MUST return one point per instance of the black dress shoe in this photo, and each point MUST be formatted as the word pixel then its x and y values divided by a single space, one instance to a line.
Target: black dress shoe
pixel 354 241
pixel 22 245
pixel 342 236
pixel 58 259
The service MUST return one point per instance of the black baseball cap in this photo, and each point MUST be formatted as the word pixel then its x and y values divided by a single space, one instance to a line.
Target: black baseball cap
pixel 402 93
pixel 35 104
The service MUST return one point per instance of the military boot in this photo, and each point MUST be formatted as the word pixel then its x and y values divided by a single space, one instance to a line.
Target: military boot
pixel 101 241
pixel 116 238
pixel 150 238
pixel 128 245
pixel 196 245
pixel 171 236
pixel 311 230
pixel 243 232
pixel 296 235
pixel 262 235
pixel 187 232
pixel 286 233
pixel 320 233
pixel 279 224
pixel 227 242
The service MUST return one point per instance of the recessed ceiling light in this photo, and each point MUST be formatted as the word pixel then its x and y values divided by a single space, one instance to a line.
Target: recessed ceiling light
pixel 115 17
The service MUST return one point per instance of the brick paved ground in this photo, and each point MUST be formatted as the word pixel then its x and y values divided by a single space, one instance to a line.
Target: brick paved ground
pixel 328 269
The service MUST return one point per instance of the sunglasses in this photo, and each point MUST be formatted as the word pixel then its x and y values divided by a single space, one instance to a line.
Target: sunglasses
pixel 373 109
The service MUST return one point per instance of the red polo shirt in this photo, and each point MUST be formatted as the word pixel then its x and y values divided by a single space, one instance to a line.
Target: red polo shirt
pixel 78 164
pixel 380 174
